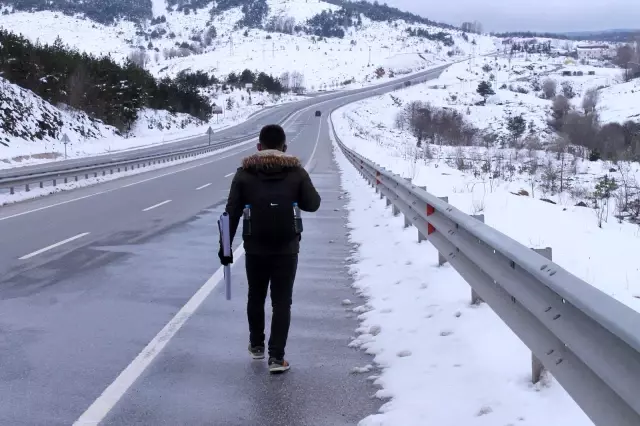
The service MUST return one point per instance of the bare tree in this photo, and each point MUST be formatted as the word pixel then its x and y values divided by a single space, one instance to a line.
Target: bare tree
pixel 611 140
pixel 472 27
pixel 560 108
pixel 567 90
pixel 582 129
pixel 549 88
pixel 285 80
pixel 561 145
pixel 549 177
pixel 297 82
pixel 140 58
pixel 624 56
pixel 590 101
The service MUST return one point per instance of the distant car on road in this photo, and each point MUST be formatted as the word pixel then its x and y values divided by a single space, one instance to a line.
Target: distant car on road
pixel 407 83
pixel 318 113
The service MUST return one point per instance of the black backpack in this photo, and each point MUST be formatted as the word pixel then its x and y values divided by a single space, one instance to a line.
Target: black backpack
pixel 272 216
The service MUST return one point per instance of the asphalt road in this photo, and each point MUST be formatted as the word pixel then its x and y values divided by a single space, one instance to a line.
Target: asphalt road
pixel 89 277
pixel 249 128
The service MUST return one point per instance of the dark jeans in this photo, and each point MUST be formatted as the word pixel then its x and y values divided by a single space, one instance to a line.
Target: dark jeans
pixel 280 270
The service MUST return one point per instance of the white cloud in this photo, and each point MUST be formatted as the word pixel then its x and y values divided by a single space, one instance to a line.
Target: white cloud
pixel 547 15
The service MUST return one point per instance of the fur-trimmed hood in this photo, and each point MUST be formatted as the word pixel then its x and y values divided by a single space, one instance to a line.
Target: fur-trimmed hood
pixel 270 159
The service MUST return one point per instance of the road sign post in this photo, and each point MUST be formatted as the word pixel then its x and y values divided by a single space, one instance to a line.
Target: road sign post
pixel 210 133
pixel 65 141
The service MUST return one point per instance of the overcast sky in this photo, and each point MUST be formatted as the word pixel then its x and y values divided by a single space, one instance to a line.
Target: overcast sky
pixel 540 15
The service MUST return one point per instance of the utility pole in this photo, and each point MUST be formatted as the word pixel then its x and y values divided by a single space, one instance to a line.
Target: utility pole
pixel 231 45
pixel 369 64
pixel 273 49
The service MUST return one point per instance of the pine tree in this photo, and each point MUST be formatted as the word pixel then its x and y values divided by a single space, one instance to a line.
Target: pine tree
pixel 485 90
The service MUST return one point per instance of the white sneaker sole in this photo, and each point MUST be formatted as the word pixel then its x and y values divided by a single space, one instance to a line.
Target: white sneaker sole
pixel 279 369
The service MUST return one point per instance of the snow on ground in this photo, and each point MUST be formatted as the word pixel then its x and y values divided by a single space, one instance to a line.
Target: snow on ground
pixel 514 83
pixel 444 362
pixel 324 64
pixel 620 102
pixel 158 7
pixel 21 147
pixel 530 221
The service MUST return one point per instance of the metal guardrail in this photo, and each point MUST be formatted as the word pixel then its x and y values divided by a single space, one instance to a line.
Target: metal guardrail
pixel 110 167
pixel 589 341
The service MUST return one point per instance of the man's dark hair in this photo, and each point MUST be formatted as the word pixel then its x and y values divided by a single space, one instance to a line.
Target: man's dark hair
pixel 272 137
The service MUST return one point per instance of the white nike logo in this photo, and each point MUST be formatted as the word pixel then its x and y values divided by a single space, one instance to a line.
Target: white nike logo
pixel 273 205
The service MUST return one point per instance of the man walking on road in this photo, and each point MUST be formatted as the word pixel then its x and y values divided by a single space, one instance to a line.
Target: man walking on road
pixel 267 193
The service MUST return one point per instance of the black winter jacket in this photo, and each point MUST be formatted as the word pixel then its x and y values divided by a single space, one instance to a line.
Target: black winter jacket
pixel 270 165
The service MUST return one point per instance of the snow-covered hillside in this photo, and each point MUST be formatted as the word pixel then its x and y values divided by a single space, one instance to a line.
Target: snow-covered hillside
pixel 175 45
pixel 31 129
pixel 517 84
pixel 215 43
pixel 418 321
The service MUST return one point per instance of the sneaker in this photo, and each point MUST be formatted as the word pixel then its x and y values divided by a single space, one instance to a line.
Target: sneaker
pixel 278 365
pixel 257 352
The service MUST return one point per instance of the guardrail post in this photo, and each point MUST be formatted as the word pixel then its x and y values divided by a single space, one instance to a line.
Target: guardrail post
pixel 26 188
pixel 536 366
pixel 66 180
pixel 76 178
pixel 441 259
pixel 407 220
pixel 475 299
pixel 54 182
pixel 86 175
pixel 11 191
pixel 421 237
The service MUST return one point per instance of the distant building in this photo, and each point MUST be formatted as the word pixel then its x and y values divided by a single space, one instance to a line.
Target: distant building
pixel 593 51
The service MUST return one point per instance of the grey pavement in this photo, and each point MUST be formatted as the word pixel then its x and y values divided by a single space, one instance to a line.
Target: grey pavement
pixel 72 317
pixel 205 375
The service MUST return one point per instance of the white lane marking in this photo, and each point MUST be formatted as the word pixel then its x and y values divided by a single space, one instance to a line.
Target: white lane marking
pixel 203 186
pixel 315 148
pixel 128 185
pixel 230 174
pixel 116 390
pixel 284 123
pixel 155 206
pixel 52 246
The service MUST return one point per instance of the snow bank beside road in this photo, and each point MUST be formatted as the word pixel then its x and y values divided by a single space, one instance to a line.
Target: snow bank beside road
pixel 444 362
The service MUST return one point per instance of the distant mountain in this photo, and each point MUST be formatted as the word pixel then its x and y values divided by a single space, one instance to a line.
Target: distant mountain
pixel 612 36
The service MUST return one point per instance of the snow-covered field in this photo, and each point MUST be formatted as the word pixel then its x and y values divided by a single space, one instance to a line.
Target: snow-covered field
pixel 515 82
pixel 324 63
pixel 443 361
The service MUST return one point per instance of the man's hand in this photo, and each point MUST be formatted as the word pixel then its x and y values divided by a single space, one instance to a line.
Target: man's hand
pixel 225 260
